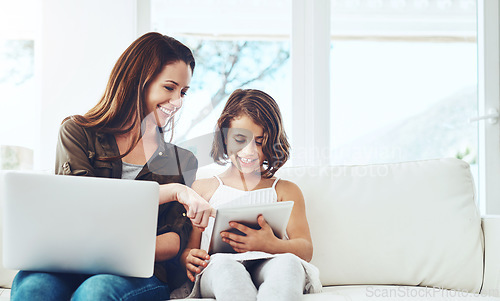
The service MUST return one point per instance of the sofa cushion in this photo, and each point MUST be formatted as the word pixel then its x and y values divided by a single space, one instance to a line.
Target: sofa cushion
pixel 411 223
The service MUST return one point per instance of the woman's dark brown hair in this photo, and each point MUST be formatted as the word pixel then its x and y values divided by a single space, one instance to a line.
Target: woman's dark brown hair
pixel 264 111
pixel 123 106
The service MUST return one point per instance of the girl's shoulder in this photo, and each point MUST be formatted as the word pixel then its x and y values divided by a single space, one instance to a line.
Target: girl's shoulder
pixel 206 187
pixel 287 190
pixel 285 184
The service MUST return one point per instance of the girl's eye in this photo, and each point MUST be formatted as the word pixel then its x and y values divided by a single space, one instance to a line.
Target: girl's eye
pixel 259 143
pixel 183 93
pixel 239 141
pixel 169 88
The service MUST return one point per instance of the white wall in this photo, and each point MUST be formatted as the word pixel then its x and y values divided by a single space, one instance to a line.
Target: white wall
pixel 77 46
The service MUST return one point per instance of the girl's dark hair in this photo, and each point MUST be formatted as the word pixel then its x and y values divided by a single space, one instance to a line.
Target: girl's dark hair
pixel 123 106
pixel 264 111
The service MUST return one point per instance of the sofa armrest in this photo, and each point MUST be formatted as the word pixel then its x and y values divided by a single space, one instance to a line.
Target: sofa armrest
pixel 491 232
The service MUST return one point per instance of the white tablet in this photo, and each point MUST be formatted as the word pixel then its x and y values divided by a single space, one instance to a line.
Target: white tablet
pixel 276 215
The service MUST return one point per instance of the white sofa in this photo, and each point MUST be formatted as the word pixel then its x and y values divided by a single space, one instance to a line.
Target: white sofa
pixel 405 231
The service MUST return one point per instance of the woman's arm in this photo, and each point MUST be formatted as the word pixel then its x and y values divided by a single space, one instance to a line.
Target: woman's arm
pixel 73 151
pixel 198 209
pixel 167 246
pixel 299 242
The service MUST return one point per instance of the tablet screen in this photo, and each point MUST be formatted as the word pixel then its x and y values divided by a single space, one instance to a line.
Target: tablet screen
pixel 275 214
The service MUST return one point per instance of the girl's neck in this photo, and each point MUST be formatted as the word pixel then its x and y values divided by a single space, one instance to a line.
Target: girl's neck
pixel 244 181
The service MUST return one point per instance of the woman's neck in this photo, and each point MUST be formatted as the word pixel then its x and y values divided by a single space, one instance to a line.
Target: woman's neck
pixel 143 150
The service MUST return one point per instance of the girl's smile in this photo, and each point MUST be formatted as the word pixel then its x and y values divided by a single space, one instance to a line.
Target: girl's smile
pixel 244 144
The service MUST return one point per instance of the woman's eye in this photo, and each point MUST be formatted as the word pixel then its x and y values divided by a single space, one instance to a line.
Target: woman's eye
pixel 239 141
pixel 169 88
pixel 183 93
pixel 259 143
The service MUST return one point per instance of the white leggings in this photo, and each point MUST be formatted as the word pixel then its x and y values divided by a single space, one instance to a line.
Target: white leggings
pixel 278 278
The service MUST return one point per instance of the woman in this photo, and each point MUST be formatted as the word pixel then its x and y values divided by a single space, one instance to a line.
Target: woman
pixel 122 137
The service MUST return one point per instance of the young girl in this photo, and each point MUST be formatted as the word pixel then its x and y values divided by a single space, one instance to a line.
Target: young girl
pixel 265 267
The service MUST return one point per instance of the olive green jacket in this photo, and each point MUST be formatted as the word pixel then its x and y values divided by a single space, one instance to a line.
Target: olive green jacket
pixel 78 152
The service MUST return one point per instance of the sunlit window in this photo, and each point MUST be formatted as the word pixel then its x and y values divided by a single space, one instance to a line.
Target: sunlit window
pixel 253 52
pixel 403 81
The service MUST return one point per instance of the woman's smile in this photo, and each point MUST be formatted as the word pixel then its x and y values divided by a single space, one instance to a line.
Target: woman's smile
pixel 166 111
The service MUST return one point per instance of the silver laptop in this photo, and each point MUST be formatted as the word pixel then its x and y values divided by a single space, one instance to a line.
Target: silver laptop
pixel 78 224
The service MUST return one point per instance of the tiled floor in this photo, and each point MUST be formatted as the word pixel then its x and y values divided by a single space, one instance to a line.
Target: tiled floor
pixel 4 294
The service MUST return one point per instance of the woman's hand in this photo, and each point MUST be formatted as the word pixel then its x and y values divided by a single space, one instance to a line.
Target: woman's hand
pixel 195 259
pixel 255 240
pixel 198 209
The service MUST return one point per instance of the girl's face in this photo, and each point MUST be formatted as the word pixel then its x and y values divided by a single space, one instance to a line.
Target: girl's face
pixel 165 93
pixel 244 144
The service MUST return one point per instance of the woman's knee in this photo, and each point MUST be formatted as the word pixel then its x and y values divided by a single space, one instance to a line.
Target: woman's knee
pixel 43 286
pixel 100 287
pixel 105 287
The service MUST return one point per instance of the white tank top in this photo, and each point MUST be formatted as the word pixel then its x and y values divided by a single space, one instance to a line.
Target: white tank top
pixel 229 196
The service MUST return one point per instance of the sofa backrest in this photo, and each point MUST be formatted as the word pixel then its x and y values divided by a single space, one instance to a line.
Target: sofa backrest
pixel 412 223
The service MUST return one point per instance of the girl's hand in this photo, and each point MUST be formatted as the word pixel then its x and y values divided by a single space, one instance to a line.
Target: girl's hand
pixel 195 259
pixel 255 240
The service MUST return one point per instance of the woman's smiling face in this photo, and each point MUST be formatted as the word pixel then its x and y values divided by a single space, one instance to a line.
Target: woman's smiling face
pixel 165 93
pixel 244 144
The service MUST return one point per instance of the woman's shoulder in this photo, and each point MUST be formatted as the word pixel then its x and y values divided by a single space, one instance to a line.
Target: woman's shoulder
pixel 69 127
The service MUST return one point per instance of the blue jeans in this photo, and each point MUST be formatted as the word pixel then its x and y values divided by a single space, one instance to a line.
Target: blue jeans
pixel 78 287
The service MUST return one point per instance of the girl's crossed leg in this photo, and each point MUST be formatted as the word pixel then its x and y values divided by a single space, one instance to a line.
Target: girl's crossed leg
pixel 279 278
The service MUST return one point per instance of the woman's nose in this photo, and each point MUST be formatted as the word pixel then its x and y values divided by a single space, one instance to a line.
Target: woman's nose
pixel 176 102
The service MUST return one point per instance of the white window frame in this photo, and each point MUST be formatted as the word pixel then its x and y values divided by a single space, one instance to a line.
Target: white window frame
pixel 489 98
pixel 310 55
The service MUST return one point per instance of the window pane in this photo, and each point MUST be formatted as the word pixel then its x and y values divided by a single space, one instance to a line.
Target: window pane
pixel 17 104
pixel 404 81
pixel 236 44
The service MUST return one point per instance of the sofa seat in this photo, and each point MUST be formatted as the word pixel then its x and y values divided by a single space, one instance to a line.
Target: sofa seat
pixel 368 292
pixel 391 292
pixel 4 294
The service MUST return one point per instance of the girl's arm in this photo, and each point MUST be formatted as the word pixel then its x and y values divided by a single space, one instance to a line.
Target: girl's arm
pixel 193 257
pixel 299 242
